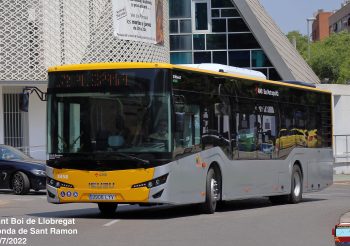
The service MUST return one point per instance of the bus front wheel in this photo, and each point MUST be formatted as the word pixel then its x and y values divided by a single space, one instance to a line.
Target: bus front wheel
pixel 107 209
pixel 212 193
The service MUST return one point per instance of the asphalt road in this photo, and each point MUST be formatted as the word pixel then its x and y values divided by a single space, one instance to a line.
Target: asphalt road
pixel 246 222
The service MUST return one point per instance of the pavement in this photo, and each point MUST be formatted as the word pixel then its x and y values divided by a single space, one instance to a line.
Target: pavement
pixel 343 179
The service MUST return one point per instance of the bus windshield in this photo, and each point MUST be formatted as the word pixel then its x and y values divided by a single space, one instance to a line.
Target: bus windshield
pixel 127 112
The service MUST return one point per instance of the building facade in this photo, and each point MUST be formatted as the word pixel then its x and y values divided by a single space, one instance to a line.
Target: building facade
pixel 320 26
pixel 236 33
pixel 36 34
pixel 340 20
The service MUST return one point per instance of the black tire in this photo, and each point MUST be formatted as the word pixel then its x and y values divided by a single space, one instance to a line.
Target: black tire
pixel 296 191
pixel 211 193
pixel 20 183
pixel 107 209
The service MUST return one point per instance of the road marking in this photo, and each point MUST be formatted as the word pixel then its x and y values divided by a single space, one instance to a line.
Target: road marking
pixel 3 203
pixel 23 199
pixel 111 222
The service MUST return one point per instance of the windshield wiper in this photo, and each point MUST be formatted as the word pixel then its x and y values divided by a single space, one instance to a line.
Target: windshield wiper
pixel 126 156
pixel 131 157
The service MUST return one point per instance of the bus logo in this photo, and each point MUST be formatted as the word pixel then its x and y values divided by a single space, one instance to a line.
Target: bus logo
pixel 95 185
pixel 267 92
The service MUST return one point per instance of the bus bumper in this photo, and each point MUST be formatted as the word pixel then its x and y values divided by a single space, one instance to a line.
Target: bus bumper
pixel 122 186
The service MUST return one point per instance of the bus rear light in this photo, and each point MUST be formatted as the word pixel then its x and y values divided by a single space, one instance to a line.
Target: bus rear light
pixel 58 184
pixel 152 183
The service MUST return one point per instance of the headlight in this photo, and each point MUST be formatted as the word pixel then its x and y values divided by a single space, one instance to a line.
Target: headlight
pixel 57 184
pixel 39 172
pixel 152 183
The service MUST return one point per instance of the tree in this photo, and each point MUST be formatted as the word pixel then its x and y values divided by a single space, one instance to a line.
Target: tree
pixel 330 58
pixel 301 42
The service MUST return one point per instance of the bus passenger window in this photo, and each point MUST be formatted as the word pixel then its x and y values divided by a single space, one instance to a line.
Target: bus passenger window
pixel 190 135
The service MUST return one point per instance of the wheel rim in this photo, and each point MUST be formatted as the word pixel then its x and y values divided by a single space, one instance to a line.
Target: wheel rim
pixel 17 183
pixel 214 190
pixel 297 184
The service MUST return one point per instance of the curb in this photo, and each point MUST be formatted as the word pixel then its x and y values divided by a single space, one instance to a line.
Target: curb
pixel 345 218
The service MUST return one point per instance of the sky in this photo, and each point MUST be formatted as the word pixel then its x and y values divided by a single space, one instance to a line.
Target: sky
pixel 292 14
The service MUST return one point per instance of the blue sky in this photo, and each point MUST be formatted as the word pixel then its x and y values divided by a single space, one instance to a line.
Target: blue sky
pixel 292 14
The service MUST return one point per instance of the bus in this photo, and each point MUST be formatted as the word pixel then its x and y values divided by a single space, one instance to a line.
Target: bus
pixel 154 133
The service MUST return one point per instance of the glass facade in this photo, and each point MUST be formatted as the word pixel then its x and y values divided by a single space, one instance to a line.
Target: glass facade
pixel 213 31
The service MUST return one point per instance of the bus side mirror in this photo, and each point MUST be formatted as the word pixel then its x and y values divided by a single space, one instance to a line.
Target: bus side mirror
pixel 24 101
pixel 179 122
pixel 333 231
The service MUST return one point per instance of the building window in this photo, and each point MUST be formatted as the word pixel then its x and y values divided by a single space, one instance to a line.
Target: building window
pixel 216 42
pixel 199 42
pixel 220 57
pixel 185 26
pixel 201 17
pixel 259 59
pixel 221 4
pixel 181 58
pixel 181 42
pixel 173 26
pixel 15 126
pixel 229 13
pixel 237 25
pixel 202 57
pixel 273 75
pixel 180 9
pixel 218 25
pixel 239 58
pixel 215 13
pixel 242 41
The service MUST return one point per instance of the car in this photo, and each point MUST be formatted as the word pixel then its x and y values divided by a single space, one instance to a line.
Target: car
pixel 246 140
pixel 20 172
pixel 312 139
pixel 300 136
pixel 285 139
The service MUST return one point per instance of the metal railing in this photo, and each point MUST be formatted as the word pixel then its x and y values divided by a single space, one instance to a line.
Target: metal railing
pixel 341 146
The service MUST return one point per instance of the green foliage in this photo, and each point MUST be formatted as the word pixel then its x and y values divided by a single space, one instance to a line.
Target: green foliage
pixel 330 58
pixel 344 72
pixel 301 42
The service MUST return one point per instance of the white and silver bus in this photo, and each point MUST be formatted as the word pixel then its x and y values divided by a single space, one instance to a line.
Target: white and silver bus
pixel 152 133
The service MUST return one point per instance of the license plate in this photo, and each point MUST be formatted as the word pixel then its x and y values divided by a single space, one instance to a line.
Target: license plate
pixel 104 197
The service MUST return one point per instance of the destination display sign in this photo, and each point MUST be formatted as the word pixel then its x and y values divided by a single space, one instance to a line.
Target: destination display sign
pixel 92 79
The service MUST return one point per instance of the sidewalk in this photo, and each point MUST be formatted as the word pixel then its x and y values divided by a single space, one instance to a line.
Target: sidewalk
pixel 343 179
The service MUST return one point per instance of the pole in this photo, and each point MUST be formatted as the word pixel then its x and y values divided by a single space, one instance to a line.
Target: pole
pixel 308 36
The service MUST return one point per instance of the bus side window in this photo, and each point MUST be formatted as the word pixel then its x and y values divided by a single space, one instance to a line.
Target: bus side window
pixel 190 135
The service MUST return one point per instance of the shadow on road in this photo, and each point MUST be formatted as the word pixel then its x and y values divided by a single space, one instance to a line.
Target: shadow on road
pixel 35 193
pixel 135 212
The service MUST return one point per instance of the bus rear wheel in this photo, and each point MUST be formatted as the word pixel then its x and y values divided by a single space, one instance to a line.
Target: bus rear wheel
pixel 212 193
pixel 107 209
pixel 296 194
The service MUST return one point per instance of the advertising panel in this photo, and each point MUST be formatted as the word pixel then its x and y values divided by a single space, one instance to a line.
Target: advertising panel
pixel 138 20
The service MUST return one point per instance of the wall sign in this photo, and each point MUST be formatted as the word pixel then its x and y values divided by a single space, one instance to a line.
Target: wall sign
pixel 138 20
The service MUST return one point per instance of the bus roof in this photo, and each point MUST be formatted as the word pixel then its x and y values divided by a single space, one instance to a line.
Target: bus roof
pixel 140 65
